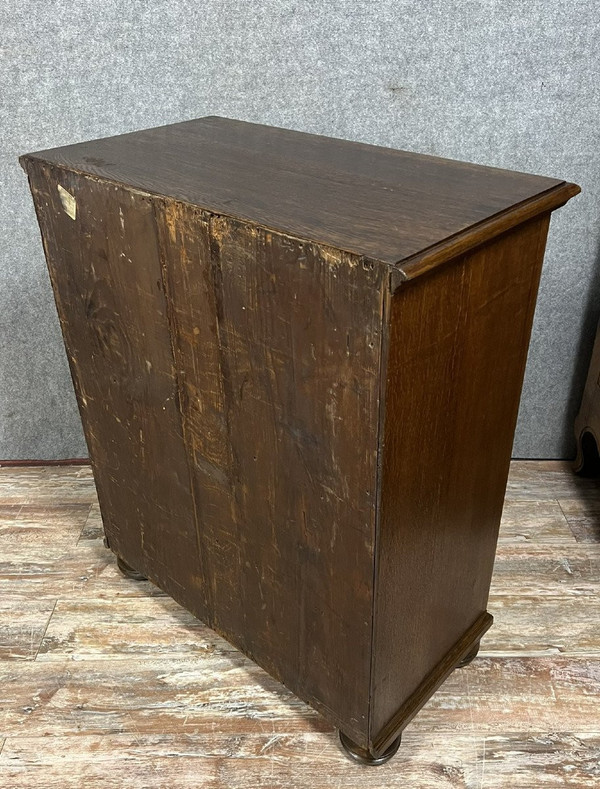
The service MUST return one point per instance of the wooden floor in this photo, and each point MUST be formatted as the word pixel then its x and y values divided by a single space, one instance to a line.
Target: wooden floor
pixel 105 682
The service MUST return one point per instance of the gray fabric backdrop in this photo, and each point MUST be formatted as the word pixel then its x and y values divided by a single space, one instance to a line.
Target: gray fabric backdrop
pixel 510 84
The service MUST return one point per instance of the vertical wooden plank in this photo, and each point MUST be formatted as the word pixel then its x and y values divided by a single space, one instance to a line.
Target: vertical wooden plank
pixel 189 281
pixel 457 351
pixel 278 345
pixel 102 254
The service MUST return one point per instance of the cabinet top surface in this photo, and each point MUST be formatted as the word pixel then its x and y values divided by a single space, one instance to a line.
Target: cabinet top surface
pixel 385 204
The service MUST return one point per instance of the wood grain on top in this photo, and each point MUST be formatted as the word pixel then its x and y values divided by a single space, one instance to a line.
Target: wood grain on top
pixel 385 204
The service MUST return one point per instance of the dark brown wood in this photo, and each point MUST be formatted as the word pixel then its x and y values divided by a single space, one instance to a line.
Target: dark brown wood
pixel 298 363
pixel 587 422
pixel 470 657
pixel 364 755
pixel 383 737
pixel 128 571
pixel 384 204
pixel 456 356
pixel 106 275
pixel 280 413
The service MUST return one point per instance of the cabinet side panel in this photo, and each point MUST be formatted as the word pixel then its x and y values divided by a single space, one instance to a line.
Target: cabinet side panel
pixel 101 248
pixel 277 343
pixel 457 350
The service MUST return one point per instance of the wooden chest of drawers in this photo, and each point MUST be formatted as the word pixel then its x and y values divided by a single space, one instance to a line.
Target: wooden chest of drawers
pixel 298 362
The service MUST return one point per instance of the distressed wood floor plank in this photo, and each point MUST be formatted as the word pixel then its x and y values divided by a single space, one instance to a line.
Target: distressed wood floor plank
pixel 129 685
pixel 509 694
pixel 529 760
pixel 534 522
pixel 536 480
pixel 93 530
pixel 22 627
pixel 541 570
pixel 538 760
pixel 124 628
pixel 583 518
pixel 58 525
pixel 253 760
pixel 227 693
pixel 205 693
pixel 87 570
pixel 9 512
pixel 46 485
pixel 544 626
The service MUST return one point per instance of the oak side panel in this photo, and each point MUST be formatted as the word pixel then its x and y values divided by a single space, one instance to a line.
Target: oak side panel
pixel 278 348
pixel 456 358
pixel 105 271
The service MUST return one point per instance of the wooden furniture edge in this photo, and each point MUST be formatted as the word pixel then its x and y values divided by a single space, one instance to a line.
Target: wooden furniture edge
pixel 431 683
pixel 436 255
pixel 400 270
pixel 31 160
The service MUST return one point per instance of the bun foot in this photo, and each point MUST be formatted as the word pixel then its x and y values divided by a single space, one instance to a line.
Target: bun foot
pixel 363 756
pixel 128 571
pixel 469 657
pixel 587 462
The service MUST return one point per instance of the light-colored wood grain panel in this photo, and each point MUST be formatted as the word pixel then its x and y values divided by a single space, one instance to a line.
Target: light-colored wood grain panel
pixel 125 628
pixel 9 512
pixel 544 626
pixel 44 572
pixel 583 518
pixel 227 693
pixel 540 760
pixel 534 522
pixel 206 693
pixel 532 760
pixel 499 695
pixel 268 760
pixel 46 485
pixel 535 480
pixel 23 623
pixel 56 525
pixel 130 685
pixel 540 570
pixel 93 529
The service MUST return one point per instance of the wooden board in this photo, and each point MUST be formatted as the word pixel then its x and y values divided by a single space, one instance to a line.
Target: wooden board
pixel 234 432
pixel 456 359
pixel 106 275
pixel 280 412
pixel 141 689
pixel 385 204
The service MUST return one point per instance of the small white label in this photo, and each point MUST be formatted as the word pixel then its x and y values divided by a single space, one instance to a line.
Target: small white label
pixel 68 202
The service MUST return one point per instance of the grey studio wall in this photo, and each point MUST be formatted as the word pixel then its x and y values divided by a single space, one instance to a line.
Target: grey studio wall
pixel 510 84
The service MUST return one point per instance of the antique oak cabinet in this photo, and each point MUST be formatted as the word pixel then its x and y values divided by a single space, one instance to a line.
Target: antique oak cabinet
pixel 298 362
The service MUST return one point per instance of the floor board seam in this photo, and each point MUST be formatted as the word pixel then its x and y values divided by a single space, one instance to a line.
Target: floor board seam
pixel 41 641
pixel 85 523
